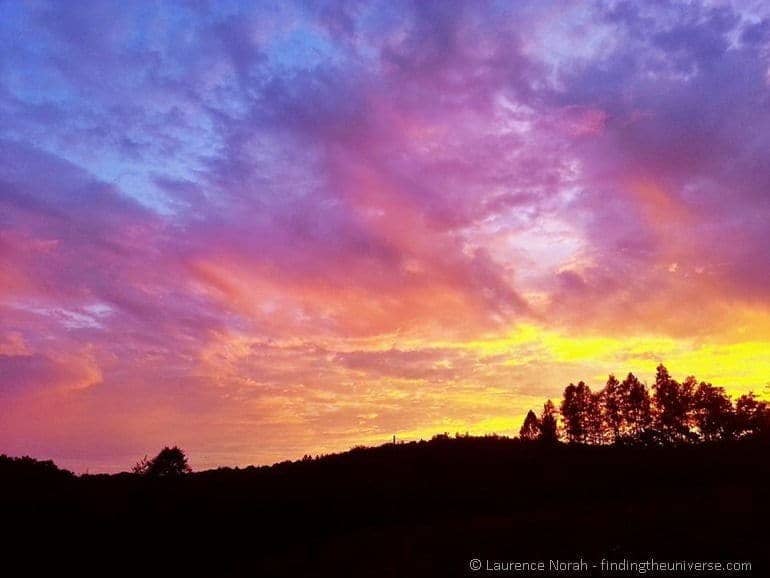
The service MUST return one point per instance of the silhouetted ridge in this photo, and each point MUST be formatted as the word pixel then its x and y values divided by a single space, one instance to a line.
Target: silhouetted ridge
pixel 408 509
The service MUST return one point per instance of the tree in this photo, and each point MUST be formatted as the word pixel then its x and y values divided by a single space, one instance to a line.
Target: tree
pixel 712 412
pixel 614 399
pixel 575 408
pixel 751 416
pixel 637 409
pixel 530 430
pixel 142 466
pixel 169 463
pixel 672 402
pixel 626 412
pixel 549 426
pixel 596 430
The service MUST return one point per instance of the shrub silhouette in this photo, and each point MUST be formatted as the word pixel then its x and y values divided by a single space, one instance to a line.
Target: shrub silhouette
pixel 169 463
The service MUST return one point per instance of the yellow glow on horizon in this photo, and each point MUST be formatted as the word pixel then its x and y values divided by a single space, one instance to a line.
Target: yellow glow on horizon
pixel 417 386
pixel 738 366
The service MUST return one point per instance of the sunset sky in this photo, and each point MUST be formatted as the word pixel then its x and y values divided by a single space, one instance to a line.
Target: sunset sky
pixel 268 231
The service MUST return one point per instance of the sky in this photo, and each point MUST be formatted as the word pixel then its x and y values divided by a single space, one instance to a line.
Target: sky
pixel 264 230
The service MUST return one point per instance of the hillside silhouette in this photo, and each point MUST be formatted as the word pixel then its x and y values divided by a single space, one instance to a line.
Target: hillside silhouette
pixel 675 472
pixel 411 509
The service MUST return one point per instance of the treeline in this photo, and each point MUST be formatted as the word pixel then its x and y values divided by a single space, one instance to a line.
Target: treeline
pixel 626 412
pixel 30 468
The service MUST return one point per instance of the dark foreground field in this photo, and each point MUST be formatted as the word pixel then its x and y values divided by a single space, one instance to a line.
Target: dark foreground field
pixel 421 509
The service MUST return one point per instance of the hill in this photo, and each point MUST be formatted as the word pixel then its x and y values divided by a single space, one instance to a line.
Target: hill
pixel 414 509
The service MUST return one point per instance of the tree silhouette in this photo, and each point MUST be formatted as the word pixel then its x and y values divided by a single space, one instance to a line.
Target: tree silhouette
pixel 596 430
pixel 713 412
pixel 142 466
pixel 575 411
pixel 530 430
pixel 624 412
pixel 169 463
pixel 751 416
pixel 672 402
pixel 636 410
pixel 614 399
pixel 549 426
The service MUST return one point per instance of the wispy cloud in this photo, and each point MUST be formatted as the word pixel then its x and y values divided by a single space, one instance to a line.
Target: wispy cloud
pixel 261 231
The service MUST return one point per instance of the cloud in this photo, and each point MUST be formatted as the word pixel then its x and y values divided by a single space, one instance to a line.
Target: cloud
pixel 305 220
